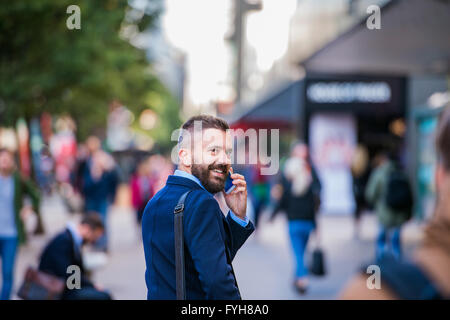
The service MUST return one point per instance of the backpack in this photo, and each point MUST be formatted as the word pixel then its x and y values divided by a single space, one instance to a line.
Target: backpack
pixel 398 192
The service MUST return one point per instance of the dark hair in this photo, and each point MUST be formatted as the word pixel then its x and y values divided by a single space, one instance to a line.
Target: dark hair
pixel 207 121
pixel 443 138
pixel 93 220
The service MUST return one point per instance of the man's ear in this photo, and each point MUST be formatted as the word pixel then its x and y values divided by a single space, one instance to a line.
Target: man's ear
pixel 185 157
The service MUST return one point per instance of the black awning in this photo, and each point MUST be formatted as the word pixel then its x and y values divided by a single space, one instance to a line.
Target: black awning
pixel 413 39
pixel 281 107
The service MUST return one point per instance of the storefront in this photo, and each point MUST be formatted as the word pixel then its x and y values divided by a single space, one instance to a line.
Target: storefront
pixel 342 111
pixel 334 113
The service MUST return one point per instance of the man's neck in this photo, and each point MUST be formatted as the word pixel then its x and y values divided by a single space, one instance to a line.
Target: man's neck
pixel 78 230
pixel 79 233
pixel 184 168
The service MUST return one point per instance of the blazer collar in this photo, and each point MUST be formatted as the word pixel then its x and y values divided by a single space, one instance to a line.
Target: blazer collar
pixel 182 181
pixel 76 249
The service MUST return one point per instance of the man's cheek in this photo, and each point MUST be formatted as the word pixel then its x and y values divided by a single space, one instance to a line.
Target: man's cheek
pixel 197 158
pixel 207 160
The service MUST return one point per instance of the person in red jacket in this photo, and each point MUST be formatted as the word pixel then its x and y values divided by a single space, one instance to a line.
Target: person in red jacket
pixel 141 188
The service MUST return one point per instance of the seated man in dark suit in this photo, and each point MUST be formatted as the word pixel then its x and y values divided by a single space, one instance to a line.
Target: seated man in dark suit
pixel 211 240
pixel 65 250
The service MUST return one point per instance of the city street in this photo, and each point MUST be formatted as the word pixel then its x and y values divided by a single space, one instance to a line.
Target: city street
pixel 263 266
pixel 320 109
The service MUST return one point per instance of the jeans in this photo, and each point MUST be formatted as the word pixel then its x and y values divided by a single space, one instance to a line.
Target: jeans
pixel 8 250
pixel 299 231
pixel 388 241
pixel 101 207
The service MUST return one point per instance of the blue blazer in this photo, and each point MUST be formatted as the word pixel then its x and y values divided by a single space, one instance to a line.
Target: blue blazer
pixel 211 242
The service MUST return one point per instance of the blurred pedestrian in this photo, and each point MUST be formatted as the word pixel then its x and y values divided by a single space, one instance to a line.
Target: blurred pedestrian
pixel 47 168
pixel 427 274
pixel 80 167
pixel 65 250
pixel 63 147
pixel 13 189
pixel 260 191
pixel 100 182
pixel 247 169
pixel 360 176
pixel 388 189
pixel 299 200
pixel 160 169
pixel 141 185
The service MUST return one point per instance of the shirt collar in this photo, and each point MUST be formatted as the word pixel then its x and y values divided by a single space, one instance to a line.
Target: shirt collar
pixel 75 235
pixel 184 174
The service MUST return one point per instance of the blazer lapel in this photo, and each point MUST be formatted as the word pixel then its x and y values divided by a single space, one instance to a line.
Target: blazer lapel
pixel 227 236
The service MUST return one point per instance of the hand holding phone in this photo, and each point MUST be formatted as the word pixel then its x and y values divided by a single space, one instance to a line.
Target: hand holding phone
pixel 235 193
pixel 229 186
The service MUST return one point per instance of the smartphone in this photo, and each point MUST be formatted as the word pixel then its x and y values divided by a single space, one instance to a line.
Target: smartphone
pixel 229 186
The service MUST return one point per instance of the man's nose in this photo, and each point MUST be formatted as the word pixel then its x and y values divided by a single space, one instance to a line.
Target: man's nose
pixel 224 158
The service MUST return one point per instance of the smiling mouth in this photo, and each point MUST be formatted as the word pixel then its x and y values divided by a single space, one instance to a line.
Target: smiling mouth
pixel 218 173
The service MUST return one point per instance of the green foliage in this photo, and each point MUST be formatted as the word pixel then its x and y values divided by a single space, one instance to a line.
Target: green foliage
pixel 44 66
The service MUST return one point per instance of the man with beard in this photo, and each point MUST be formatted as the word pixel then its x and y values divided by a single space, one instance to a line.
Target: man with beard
pixel 211 240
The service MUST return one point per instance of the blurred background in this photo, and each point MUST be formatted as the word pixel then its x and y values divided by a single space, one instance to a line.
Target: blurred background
pixel 137 69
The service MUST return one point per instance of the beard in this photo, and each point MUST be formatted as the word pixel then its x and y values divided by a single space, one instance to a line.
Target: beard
pixel 212 184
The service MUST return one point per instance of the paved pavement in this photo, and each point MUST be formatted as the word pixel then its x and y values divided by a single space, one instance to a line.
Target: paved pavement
pixel 263 266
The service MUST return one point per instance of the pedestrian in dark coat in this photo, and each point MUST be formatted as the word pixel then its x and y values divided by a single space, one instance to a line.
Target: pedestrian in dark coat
pixel 64 250
pixel 300 201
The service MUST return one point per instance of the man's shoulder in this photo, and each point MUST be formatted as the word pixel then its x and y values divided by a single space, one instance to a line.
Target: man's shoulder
pixel 196 194
pixel 61 239
pixel 170 195
pixel 158 194
pixel 59 243
pixel 201 197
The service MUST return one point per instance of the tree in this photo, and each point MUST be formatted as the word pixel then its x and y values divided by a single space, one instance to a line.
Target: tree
pixel 45 66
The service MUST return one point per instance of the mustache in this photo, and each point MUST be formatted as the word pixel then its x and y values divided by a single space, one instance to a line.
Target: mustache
pixel 223 167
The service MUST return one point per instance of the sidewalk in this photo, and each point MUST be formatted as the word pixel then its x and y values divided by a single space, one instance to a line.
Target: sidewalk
pixel 263 266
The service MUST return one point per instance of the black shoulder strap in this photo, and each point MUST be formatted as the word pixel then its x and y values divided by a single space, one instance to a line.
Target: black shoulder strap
pixel 179 247
pixel 407 280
